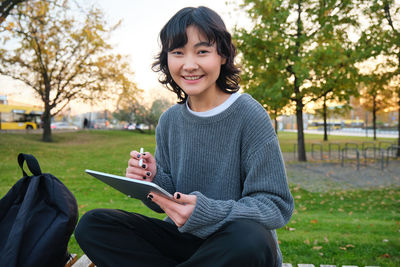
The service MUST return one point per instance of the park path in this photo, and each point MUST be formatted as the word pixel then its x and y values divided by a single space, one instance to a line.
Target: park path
pixel 322 176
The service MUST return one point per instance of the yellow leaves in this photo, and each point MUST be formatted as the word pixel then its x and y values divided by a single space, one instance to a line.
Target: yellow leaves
pixel 348 246
pixel 10 26
pixel 315 221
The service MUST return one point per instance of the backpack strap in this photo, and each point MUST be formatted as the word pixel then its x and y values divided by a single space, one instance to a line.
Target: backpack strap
pixel 31 161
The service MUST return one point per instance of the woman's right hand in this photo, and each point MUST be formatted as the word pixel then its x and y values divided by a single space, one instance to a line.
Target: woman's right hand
pixel 145 172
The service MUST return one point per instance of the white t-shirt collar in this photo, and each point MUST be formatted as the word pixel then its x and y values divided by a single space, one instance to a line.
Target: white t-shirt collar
pixel 218 109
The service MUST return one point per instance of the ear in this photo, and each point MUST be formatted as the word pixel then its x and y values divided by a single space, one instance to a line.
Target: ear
pixel 223 60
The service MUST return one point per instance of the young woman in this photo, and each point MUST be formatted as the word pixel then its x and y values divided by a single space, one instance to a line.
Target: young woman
pixel 217 153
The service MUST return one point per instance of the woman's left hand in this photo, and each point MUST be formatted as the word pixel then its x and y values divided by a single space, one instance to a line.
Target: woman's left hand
pixel 178 212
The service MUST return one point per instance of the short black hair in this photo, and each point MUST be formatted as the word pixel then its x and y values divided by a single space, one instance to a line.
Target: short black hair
pixel 173 35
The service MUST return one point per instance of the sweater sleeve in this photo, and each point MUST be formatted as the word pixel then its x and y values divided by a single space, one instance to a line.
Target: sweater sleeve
pixel 163 177
pixel 265 197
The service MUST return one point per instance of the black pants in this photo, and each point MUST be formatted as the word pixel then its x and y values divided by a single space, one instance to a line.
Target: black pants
pixel 119 238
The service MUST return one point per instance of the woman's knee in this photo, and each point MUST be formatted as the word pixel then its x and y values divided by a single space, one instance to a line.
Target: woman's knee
pixel 86 224
pixel 250 240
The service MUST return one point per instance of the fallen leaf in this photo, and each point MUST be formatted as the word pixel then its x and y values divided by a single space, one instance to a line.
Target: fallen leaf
pixel 307 242
pixel 326 239
pixel 386 255
pixel 317 247
pixel 315 221
pixel 343 248
pixel 350 246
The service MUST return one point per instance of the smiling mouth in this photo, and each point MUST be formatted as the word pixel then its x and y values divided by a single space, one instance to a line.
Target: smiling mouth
pixel 192 78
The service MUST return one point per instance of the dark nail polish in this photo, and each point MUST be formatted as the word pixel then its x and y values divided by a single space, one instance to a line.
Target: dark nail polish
pixel 150 196
pixel 148 173
pixel 144 177
pixel 178 196
pixel 144 166
pixel 144 154
pixel 138 156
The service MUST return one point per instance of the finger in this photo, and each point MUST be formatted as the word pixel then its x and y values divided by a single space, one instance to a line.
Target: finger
pixel 185 199
pixel 137 173
pixel 134 154
pixel 164 202
pixel 148 157
pixel 132 162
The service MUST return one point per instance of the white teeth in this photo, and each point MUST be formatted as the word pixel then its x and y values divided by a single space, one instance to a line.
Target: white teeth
pixel 192 77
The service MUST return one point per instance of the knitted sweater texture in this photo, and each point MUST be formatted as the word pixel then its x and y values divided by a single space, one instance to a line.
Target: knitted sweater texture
pixel 231 161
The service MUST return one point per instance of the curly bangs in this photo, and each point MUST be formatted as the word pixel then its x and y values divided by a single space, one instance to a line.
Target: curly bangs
pixel 173 35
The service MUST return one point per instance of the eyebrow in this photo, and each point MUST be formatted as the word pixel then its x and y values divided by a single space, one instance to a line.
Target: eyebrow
pixel 203 44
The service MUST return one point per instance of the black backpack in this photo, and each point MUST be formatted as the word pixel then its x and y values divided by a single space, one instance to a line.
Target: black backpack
pixel 37 217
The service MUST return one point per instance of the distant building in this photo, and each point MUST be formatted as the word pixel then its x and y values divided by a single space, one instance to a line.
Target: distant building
pixel 3 99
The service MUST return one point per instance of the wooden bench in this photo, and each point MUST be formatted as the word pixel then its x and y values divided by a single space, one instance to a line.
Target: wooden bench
pixel 81 262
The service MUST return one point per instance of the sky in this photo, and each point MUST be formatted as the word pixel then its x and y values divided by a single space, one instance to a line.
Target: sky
pixel 137 37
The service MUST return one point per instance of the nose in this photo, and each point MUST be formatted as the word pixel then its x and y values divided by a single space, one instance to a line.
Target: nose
pixel 190 64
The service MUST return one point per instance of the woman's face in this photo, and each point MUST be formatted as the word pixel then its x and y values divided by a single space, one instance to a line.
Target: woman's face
pixel 196 66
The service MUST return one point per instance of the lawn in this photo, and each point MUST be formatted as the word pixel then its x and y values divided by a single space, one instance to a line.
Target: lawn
pixel 353 227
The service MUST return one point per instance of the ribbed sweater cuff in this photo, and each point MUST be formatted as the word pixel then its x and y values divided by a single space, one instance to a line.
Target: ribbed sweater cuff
pixel 200 218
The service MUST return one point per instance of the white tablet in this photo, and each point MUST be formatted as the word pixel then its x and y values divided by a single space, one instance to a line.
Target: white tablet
pixel 131 187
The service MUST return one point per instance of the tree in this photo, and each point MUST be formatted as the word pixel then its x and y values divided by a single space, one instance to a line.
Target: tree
pixel 62 56
pixel 135 112
pixel 382 39
pixel 5 8
pixel 374 97
pixel 277 51
pixel 157 108
pixel 334 76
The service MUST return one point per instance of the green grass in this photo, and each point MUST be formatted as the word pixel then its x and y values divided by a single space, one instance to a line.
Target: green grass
pixel 354 227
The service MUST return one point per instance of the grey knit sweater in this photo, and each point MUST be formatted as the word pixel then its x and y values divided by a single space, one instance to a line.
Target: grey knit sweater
pixel 232 163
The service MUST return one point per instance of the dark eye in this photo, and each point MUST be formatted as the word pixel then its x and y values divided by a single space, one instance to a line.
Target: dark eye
pixel 203 52
pixel 176 52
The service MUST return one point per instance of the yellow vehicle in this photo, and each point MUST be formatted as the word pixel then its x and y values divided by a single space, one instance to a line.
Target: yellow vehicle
pixel 331 125
pixel 19 117
pixel 354 123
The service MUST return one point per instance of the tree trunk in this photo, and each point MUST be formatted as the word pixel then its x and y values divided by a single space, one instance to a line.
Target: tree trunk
pixel 398 119
pixel 47 115
pixel 299 99
pixel 300 131
pixel 325 121
pixel 374 115
pixel 398 126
